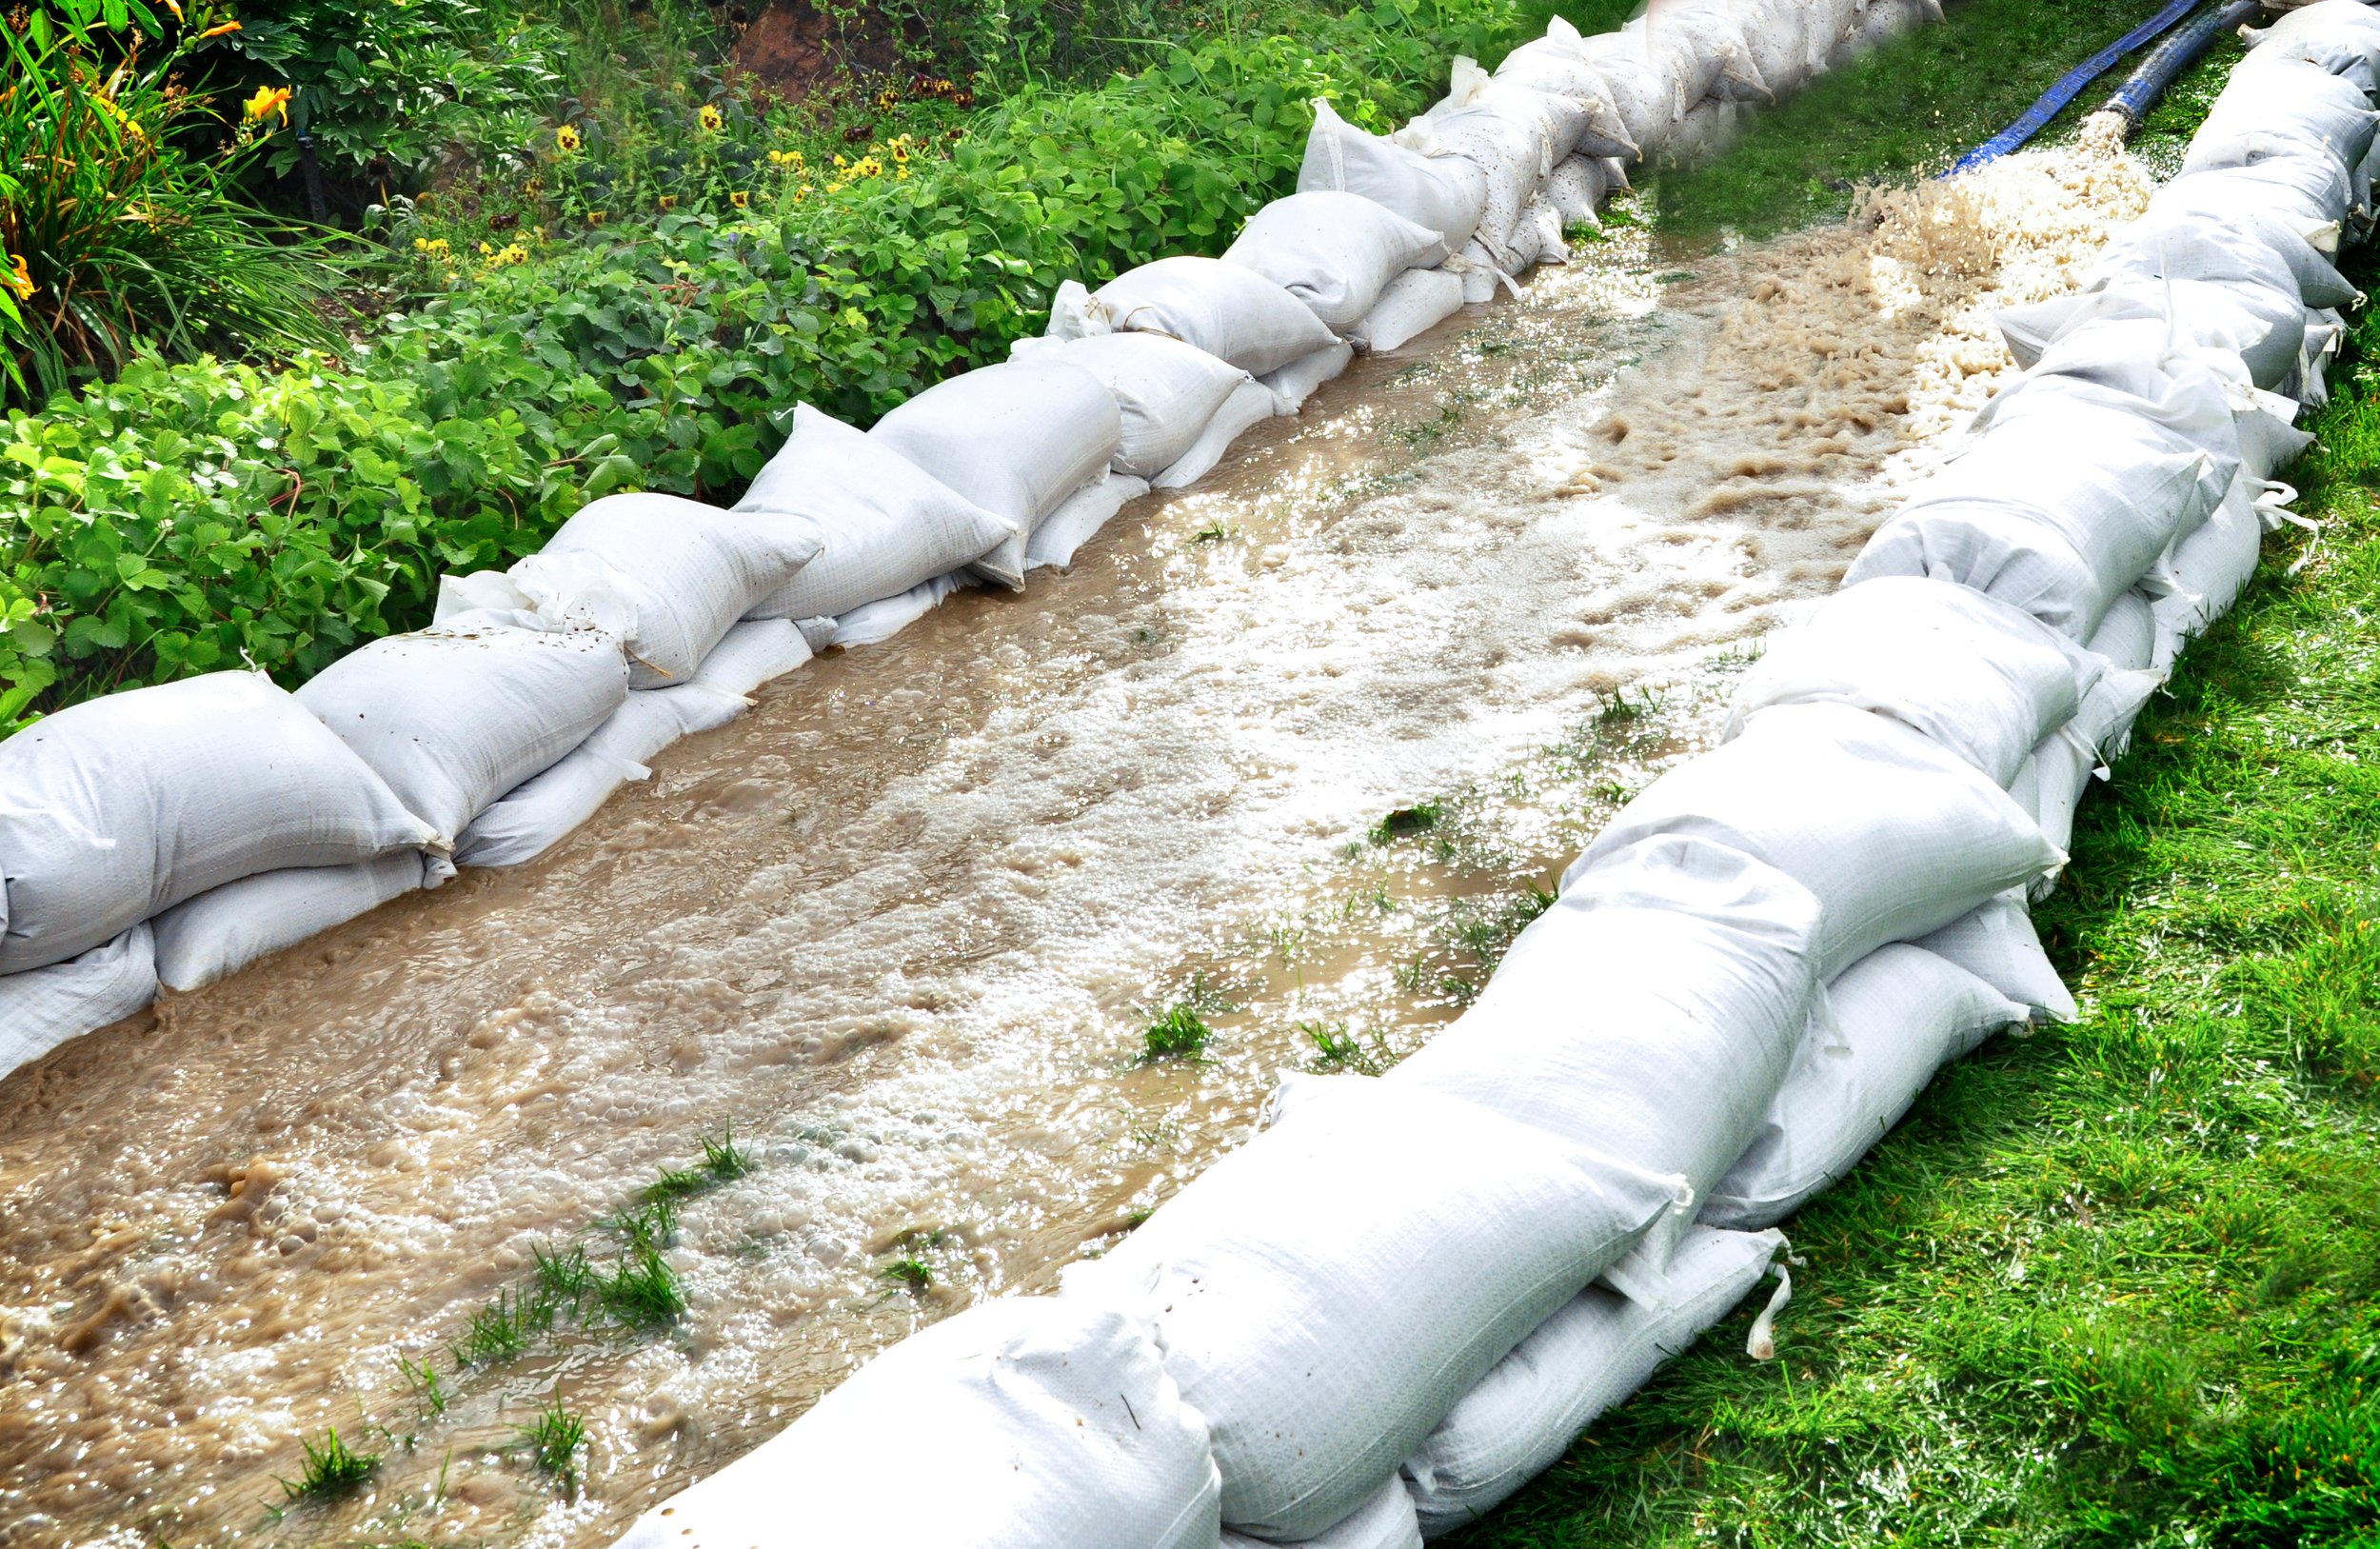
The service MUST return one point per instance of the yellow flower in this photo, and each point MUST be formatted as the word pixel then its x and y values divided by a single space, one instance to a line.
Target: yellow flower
pixel 175 9
pixel 18 279
pixel 565 139
pixel 595 217
pixel 901 177
pixel 668 200
pixel 839 163
pixel 869 166
pixel 800 193
pixel 268 101
pixel 740 199
pixel 710 115
pixel 901 149
pixel 484 250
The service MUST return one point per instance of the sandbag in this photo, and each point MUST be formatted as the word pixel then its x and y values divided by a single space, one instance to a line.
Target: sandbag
pixel 2313 195
pixel 1251 403
pixel 1385 1522
pixel 1444 194
pixel 1997 944
pixel 1641 91
pixel 1882 22
pixel 1703 963
pixel 1577 190
pixel 1324 1331
pixel 119 808
pixel 670 577
pixel 1588 1357
pixel 1538 236
pixel 456 715
pixel 2197 395
pixel 1414 302
pixel 1557 65
pixel 2341 36
pixel 2127 637
pixel 1071 525
pixel 222 931
pixel 1233 313
pixel 1895 835
pixel 1701 52
pixel 541 812
pixel 2196 581
pixel 1980 678
pixel 1027 1423
pixel 1514 150
pixel 887 523
pixel 1704 134
pixel 1165 392
pixel 1896 1017
pixel 1017 439
pixel 2264 326
pixel 2248 246
pixel 2284 108
pixel 1333 251
pixel 1295 382
pixel 2057 514
pixel 44 1007
pixel 872 623
pixel 2054 778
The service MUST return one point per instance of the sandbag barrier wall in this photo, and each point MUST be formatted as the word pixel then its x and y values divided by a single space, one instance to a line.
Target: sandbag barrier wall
pixel 168 836
pixel 1746 981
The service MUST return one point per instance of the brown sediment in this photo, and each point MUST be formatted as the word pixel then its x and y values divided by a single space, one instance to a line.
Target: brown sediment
pixel 904 924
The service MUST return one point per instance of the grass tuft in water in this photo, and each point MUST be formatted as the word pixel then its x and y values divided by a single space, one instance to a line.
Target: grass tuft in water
pixel 563 1278
pixel 503 1329
pixel 912 1274
pixel 554 1440
pixel 332 1470
pixel 723 1160
pixel 423 1379
pixel 1405 821
pixel 653 1225
pixel 643 1292
pixel 1179 1034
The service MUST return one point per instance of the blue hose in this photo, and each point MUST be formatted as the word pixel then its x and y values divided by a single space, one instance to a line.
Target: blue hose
pixel 2167 61
pixel 2068 89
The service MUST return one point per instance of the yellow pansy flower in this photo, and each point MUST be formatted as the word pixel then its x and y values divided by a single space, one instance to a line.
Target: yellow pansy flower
pixel 565 139
pixel 710 117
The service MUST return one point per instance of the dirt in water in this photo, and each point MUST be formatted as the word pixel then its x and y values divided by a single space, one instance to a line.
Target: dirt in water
pixel 1286 757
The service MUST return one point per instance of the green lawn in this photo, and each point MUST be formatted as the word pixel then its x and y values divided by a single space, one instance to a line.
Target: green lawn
pixel 2112 1286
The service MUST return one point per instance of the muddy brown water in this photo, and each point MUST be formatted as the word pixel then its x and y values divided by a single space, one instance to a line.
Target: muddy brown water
pixel 905 924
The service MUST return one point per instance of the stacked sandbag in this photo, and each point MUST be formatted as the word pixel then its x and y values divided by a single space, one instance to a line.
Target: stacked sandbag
pixel 885 523
pixel 1032 1422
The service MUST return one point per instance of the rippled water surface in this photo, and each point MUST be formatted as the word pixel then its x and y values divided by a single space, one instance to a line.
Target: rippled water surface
pixel 905 926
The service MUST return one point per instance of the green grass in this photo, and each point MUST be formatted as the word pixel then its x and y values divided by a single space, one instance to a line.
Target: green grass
pixel 1909 108
pixel 1407 820
pixel 1179 1034
pixel 332 1470
pixel 2112 1285
pixel 642 1291
pixel 554 1440
pixel 912 1274
pixel 503 1329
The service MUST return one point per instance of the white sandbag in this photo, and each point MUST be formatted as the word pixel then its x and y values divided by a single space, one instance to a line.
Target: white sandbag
pixel 1247 407
pixel 1703 963
pixel 1997 944
pixel 222 931
pixel 1295 382
pixel 670 577
pixel 1983 679
pixel 1233 313
pixel 1879 23
pixel 1027 1423
pixel 1017 439
pixel 2127 637
pixel 1385 1522
pixel 1164 390
pixel 457 714
pixel 119 808
pixel 1538 236
pixel 1323 1331
pixel 1704 134
pixel 1895 835
pixel 872 623
pixel 2284 108
pixel 1701 51
pixel 1414 302
pixel 1442 194
pixel 1071 525
pixel 2250 244
pixel 2264 326
pixel 1587 1358
pixel 1557 65
pixel 1895 1017
pixel 1577 190
pixel 1515 151
pixel 2341 36
pixel 2199 579
pixel 2197 395
pixel 44 1007
pixel 1333 251
pixel 1788 40
pixel 1641 91
pixel 540 813
pixel 2325 329
pixel 887 523
pixel 2057 514
pixel 2313 195
pixel 2061 769
pixel 1481 274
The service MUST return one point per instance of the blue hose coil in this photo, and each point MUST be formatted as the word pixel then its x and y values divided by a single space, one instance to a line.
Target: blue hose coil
pixel 2167 61
pixel 2068 87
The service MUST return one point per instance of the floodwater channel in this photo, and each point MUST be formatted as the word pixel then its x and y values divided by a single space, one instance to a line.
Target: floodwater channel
pixel 1295 749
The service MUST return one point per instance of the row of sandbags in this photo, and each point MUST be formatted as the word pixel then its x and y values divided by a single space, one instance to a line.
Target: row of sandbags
pixel 169 836
pixel 1408 1293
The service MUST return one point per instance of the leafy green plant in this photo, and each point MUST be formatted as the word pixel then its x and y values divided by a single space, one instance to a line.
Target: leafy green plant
pixel 332 1470
pixel 113 232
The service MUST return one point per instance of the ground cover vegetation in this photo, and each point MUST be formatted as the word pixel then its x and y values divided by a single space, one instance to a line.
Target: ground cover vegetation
pixel 2113 1284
